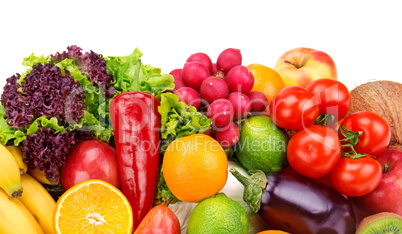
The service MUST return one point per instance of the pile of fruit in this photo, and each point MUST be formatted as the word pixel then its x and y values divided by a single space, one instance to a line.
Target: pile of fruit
pixel 95 144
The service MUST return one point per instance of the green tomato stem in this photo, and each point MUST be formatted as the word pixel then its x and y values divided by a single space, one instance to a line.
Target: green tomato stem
pixel 324 119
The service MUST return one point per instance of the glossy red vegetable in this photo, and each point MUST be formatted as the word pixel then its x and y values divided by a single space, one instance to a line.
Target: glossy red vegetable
pixel 136 123
pixel 375 132
pixel 314 151
pixel 333 97
pixel 356 176
pixel 294 108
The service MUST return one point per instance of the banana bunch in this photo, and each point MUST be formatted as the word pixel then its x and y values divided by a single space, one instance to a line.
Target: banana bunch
pixel 38 201
pixel 17 153
pixel 10 177
pixel 25 205
pixel 41 177
pixel 15 217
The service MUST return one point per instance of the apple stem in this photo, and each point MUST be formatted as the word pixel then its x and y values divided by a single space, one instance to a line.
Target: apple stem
pixel 385 168
pixel 168 201
pixel 287 61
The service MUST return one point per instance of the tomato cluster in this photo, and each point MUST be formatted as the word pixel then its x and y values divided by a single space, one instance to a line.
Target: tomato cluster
pixel 326 144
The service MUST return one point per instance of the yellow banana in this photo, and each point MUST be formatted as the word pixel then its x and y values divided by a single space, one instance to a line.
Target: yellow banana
pixel 38 201
pixel 10 178
pixel 40 176
pixel 17 153
pixel 15 218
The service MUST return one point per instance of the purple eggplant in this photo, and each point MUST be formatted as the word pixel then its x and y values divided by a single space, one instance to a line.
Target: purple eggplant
pixel 297 204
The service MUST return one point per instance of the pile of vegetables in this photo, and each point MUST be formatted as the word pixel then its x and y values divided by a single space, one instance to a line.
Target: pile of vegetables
pixel 63 99
pixel 54 105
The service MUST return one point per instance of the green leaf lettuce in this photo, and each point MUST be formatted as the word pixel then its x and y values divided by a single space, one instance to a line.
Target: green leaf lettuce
pixel 150 80
pixel 179 120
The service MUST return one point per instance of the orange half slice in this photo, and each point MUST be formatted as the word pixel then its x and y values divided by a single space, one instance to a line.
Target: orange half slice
pixel 93 206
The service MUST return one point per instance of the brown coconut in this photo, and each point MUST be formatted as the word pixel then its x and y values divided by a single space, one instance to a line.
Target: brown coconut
pixel 383 98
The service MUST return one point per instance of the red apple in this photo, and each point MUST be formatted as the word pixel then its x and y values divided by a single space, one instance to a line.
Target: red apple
pixel 90 160
pixel 159 219
pixel 301 66
pixel 387 197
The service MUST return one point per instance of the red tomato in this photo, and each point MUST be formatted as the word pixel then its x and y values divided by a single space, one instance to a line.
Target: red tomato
pixel 356 177
pixel 314 151
pixel 376 132
pixel 294 108
pixel 333 97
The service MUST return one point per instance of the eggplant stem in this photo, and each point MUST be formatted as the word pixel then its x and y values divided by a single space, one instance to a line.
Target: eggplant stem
pixel 241 178
pixel 253 187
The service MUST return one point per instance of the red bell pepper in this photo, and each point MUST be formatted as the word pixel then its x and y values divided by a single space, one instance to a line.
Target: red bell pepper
pixel 136 123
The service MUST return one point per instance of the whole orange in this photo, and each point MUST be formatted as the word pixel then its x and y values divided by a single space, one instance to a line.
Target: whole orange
pixel 266 80
pixel 195 167
pixel 273 232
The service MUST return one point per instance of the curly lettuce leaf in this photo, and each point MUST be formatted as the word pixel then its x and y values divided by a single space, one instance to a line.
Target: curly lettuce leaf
pixel 151 80
pixel 130 75
pixel 30 61
pixel 44 122
pixel 123 70
pixel 97 116
pixel 68 65
pixel 92 124
pixel 92 95
pixel 87 123
pixel 8 133
pixel 179 120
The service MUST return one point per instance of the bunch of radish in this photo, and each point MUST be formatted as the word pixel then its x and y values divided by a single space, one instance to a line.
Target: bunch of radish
pixel 223 89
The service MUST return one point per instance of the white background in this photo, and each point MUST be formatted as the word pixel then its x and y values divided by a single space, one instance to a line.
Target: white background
pixel 363 37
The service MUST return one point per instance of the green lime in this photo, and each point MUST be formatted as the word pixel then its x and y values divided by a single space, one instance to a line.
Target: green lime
pixel 262 145
pixel 219 214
